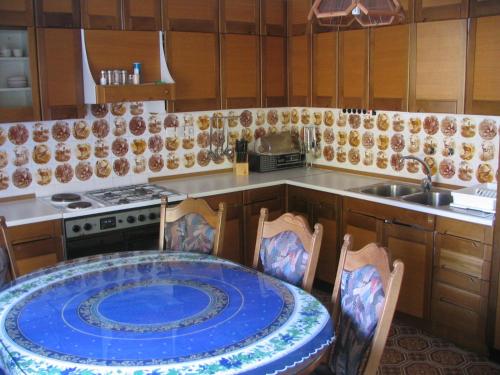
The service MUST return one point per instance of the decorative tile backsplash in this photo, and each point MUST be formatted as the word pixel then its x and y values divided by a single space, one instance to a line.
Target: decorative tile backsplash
pixel 124 143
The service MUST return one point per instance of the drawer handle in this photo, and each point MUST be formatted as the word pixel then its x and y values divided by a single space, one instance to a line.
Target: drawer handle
pixel 446 300
pixel 471 278
pixel 31 239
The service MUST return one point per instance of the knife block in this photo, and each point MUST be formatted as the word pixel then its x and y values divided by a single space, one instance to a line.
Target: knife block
pixel 241 169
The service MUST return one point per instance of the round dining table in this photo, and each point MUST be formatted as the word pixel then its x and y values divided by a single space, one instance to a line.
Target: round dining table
pixel 152 312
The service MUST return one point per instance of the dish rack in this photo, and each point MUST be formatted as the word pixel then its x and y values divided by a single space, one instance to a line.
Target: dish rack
pixel 479 197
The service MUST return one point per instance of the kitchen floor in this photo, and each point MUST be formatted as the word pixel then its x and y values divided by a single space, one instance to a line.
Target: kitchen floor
pixel 409 350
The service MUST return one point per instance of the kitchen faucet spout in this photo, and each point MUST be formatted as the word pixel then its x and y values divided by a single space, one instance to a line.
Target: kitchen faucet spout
pixel 427 181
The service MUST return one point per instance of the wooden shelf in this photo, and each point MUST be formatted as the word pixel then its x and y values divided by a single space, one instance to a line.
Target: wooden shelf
pixel 146 91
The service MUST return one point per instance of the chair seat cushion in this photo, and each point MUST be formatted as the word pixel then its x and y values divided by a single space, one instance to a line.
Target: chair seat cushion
pixel 362 298
pixel 190 233
pixel 283 256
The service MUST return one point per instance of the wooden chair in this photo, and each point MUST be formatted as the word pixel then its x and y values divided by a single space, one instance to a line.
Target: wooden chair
pixel 281 245
pixel 362 275
pixel 8 267
pixel 192 226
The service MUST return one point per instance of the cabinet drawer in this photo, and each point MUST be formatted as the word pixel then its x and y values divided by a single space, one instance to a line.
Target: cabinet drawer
pixel 461 281
pixel 460 298
pixel 263 194
pixel 28 265
pixel 32 232
pixel 466 264
pixel 453 316
pixel 37 248
pixel 463 246
pixel 462 229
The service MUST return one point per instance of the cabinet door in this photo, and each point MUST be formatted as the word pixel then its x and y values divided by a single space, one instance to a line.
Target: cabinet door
pixel 19 105
pixel 297 17
pixel 240 16
pixel 437 81
pixel 353 68
pixel 299 63
pixel 389 48
pixel 433 10
pixel 193 60
pixel 483 63
pixel 16 13
pixel 232 247
pixel 297 202
pixel 273 16
pixel 142 15
pixel 97 14
pixel 58 13
pixel 325 210
pixel 240 71
pixel 274 88
pixel 324 91
pixel 480 8
pixel 191 15
pixel 364 229
pixel 61 87
pixel 414 247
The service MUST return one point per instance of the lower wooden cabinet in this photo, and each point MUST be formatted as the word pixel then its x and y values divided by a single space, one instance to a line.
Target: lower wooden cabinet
pixel 232 247
pixel 408 235
pixel 37 245
pixel 324 208
pixel 272 198
pixel 461 282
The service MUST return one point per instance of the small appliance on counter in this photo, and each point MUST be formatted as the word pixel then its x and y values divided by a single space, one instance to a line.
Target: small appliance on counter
pixel 479 197
pixel 274 152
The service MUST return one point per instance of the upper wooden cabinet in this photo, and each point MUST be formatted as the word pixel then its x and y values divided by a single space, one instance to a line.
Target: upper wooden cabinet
pixel 480 8
pixel 97 14
pixel 389 48
pixel 57 13
pixel 240 16
pixel 483 64
pixel 353 68
pixel 433 10
pixel 273 17
pixel 324 90
pixel 61 86
pixel 142 15
pixel 299 70
pixel 193 60
pixel 240 71
pixel 297 16
pixel 16 13
pixel 437 71
pixel 274 83
pixel 191 15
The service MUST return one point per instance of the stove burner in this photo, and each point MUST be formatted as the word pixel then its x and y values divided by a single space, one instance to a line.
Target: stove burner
pixel 123 201
pixel 65 197
pixel 79 205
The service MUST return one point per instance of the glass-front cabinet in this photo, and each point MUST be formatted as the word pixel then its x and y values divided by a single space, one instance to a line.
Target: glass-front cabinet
pixel 19 99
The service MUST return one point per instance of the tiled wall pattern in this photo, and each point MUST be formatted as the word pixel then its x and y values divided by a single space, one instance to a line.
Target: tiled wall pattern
pixel 124 143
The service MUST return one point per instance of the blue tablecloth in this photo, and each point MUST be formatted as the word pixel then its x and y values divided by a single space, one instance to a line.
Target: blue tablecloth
pixel 155 312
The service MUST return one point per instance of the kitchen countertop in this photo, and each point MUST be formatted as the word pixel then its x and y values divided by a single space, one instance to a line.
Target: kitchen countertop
pixel 34 210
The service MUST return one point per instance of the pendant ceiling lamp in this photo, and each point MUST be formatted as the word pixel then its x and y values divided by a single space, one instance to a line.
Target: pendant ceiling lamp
pixel 342 13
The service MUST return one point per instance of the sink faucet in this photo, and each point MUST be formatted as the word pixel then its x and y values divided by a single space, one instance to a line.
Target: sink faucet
pixel 427 181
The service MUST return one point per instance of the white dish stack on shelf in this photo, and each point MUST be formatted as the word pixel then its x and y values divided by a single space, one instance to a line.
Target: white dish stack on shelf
pixel 17 82
pixel 479 197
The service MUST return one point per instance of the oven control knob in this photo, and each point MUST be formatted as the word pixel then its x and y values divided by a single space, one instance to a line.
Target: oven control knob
pixel 141 217
pixel 87 226
pixel 76 228
pixel 152 216
pixel 130 219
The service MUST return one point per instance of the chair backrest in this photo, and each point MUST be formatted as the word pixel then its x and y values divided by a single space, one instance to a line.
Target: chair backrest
pixel 287 249
pixel 192 226
pixel 8 267
pixel 364 298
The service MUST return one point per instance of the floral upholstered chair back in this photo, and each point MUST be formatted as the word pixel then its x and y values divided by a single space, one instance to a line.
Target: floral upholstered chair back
pixel 7 266
pixel 364 299
pixel 286 248
pixel 192 226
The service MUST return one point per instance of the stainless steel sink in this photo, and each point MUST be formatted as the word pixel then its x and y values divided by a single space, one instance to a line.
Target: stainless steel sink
pixel 390 190
pixel 430 198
